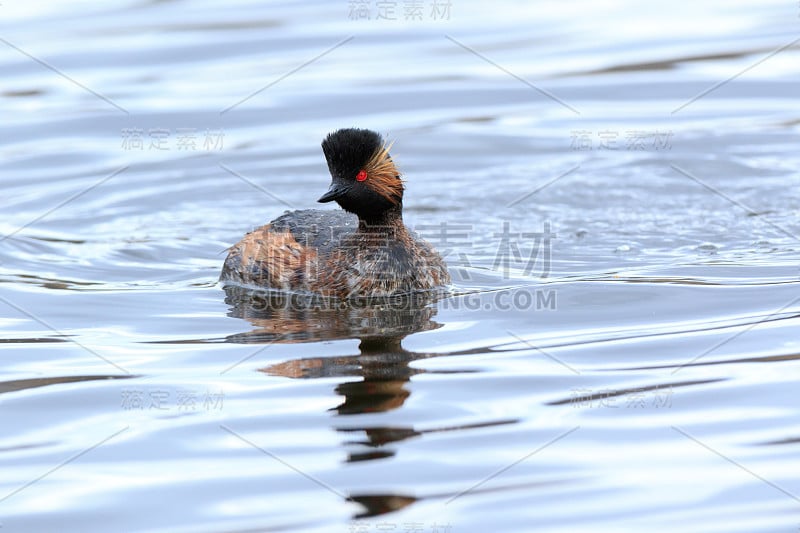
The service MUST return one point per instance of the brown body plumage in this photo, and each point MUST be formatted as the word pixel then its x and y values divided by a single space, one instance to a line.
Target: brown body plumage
pixel 369 253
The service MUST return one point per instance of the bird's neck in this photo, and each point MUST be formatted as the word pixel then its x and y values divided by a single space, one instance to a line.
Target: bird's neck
pixel 391 218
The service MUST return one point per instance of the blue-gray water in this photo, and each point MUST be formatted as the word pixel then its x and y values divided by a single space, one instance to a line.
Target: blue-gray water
pixel 616 192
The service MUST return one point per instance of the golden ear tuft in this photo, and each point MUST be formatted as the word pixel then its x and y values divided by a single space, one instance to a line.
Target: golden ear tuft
pixel 383 176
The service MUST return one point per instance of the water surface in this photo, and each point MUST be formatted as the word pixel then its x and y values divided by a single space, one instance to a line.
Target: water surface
pixel 614 189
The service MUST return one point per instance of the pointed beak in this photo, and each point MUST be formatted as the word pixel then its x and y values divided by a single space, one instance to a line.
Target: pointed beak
pixel 336 191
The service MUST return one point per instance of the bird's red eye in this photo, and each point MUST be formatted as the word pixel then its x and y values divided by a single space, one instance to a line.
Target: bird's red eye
pixel 361 176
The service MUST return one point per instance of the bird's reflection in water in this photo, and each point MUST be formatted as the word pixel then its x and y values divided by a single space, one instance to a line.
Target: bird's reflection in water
pixel 382 364
pixel 286 318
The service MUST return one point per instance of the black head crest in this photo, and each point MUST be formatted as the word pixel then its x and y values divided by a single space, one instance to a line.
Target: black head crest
pixel 365 180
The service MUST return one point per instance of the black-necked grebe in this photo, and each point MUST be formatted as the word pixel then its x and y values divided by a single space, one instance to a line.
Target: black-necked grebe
pixel 369 253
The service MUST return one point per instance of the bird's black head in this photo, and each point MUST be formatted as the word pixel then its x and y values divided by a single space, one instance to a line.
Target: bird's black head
pixel 365 180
